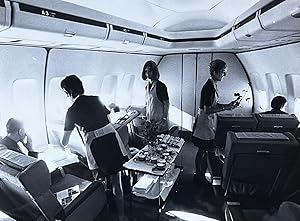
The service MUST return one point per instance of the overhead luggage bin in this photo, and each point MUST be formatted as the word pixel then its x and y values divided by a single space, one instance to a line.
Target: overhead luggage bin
pixel 125 35
pixel 5 14
pixel 157 41
pixel 37 19
pixel 250 29
pixel 281 16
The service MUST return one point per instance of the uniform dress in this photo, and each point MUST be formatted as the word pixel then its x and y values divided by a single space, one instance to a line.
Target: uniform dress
pixel 105 151
pixel 204 128
pixel 206 123
pixel 156 93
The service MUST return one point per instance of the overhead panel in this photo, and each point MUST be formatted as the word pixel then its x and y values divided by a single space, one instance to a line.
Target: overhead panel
pixel 5 14
pixel 281 15
pixel 126 35
pixel 157 41
pixel 38 20
pixel 250 29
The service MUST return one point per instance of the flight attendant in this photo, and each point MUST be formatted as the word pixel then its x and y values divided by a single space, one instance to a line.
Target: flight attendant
pixel 204 129
pixel 157 99
pixel 105 150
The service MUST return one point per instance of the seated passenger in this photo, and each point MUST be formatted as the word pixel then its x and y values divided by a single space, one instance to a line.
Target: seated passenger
pixel 277 105
pixel 15 134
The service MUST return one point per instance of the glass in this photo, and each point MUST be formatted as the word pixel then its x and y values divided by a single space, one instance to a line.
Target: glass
pixel 168 177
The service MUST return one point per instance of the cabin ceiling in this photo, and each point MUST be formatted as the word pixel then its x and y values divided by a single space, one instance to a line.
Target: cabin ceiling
pixel 151 26
pixel 173 15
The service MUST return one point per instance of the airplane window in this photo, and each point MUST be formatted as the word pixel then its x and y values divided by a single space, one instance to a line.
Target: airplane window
pixel 274 85
pixel 91 84
pixel 124 94
pixel 138 93
pixel 57 106
pixel 58 102
pixel 293 91
pixel 262 98
pixel 26 105
pixel 108 89
pixel 260 81
pixel 297 107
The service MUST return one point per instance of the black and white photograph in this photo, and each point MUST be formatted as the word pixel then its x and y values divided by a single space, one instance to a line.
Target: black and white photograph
pixel 149 110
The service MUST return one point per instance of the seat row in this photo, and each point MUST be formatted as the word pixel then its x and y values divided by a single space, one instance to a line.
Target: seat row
pixel 28 193
pixel 257 164
pixel 253 122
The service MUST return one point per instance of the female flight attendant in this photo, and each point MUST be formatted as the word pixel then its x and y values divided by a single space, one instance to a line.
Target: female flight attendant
pixel 204 129
pixel 105 150
pixel 157 99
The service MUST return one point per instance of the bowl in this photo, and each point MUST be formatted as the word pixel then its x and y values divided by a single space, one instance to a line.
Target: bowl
pixel 160 166
pixel 164 146
pixel 165 155
pixel 169 151
pixel 153 159
pixel 142 157
pixel 161 161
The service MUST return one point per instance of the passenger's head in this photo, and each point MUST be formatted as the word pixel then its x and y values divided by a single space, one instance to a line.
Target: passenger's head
pixel 72 85
pixel 150 71
pixel 15 127
pixel 218 69
pixel 278 102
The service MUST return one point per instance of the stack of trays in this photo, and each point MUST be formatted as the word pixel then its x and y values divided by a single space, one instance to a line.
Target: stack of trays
pixel 145 183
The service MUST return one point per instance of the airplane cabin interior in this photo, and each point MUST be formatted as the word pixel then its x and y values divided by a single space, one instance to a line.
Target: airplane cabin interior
pixel 254 173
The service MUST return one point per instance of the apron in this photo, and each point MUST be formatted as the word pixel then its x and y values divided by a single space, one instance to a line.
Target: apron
pixel 92 135
pixel 154 108
pixel 205 124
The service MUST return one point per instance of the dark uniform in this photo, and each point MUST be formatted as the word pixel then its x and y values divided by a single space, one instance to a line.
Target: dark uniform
pixel 204 129
pixel 103 144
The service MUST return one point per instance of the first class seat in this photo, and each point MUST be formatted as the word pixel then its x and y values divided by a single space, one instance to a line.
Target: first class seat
pixel 255 163
pixel 26 192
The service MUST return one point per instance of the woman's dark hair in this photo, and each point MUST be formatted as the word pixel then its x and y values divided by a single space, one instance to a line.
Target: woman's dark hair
pixel 153 67
pixel 216 65
pixel 73 85
pixel 278 102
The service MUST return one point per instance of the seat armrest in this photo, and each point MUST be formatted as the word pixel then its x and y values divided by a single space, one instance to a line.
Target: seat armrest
pixel 88 204
pixel 233 212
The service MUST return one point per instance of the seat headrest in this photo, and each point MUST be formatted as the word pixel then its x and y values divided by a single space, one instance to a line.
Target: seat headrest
pixel 276 116
pixel 27 169
pixel 261 142
pixel 277 122
pixel 261 136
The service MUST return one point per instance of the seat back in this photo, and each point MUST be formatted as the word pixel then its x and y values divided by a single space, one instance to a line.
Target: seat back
pixel 277 123
pixel 24 187
pixel 235 123
pixel 258 163
pixel 14 201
